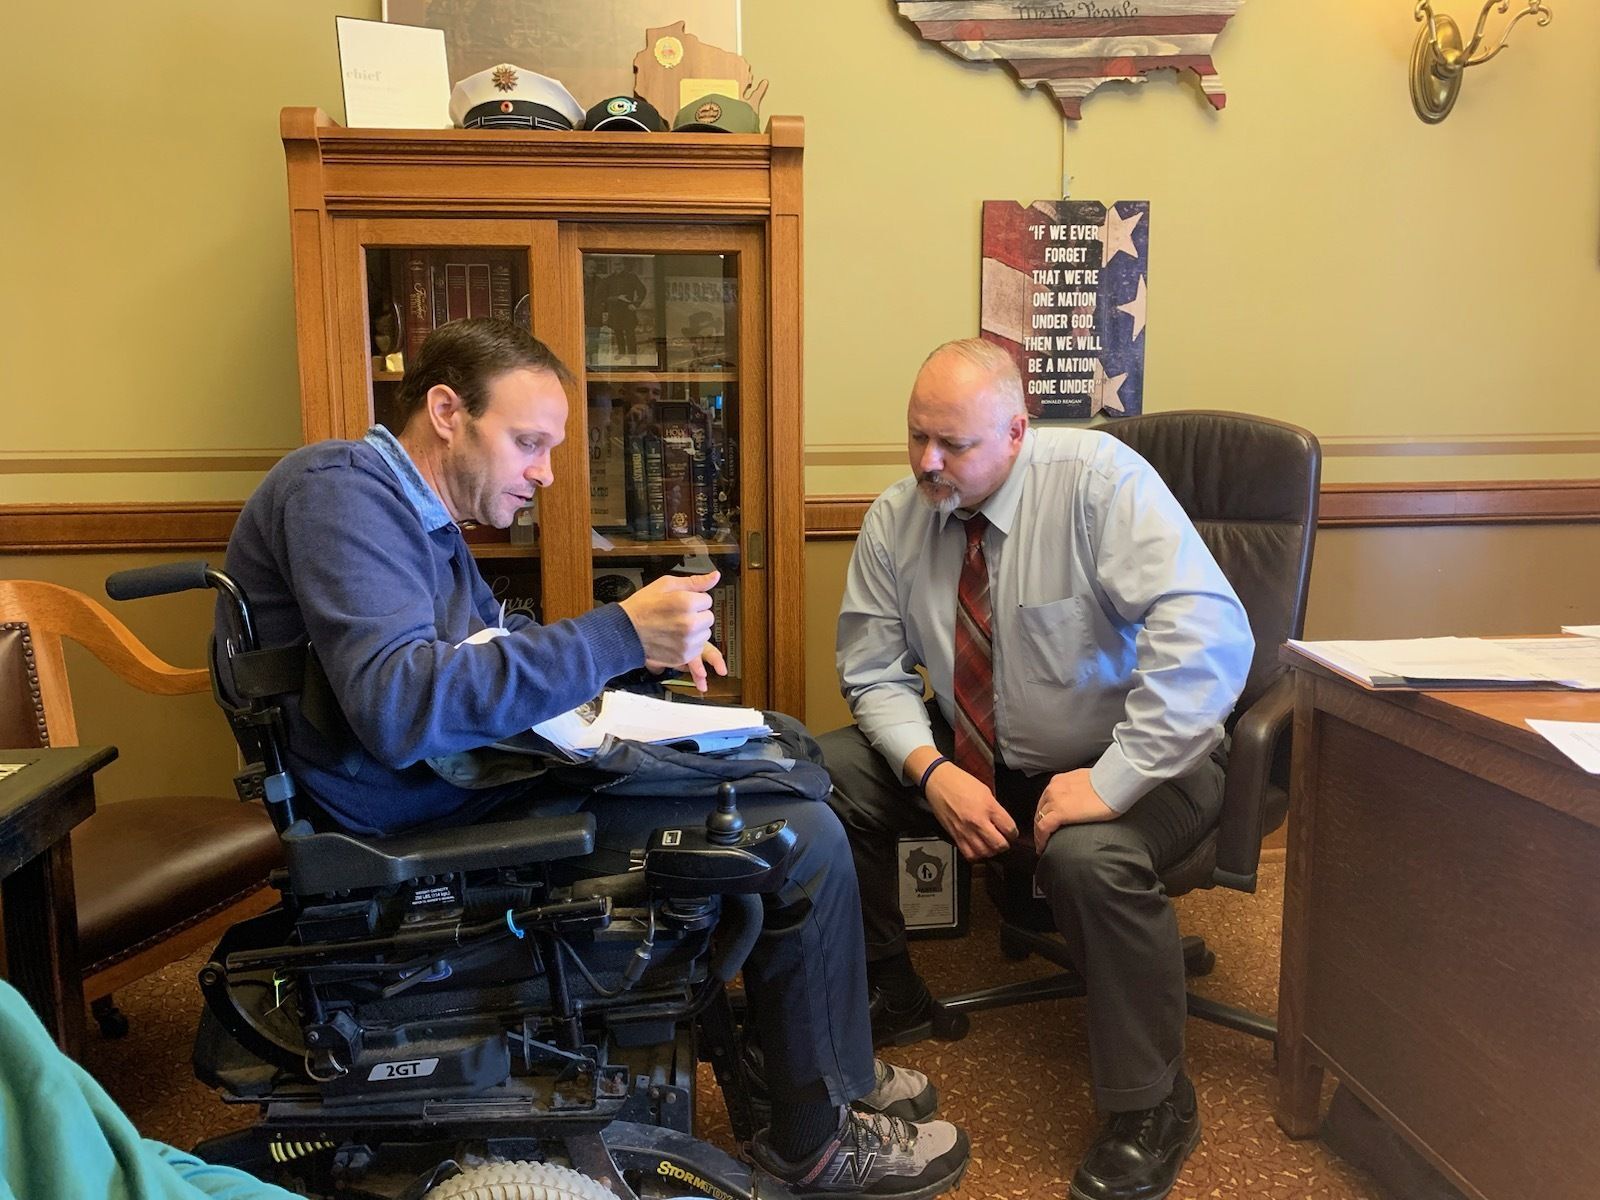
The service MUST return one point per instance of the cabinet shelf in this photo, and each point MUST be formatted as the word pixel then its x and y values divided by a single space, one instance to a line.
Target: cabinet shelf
pixel 661 376
pixel 623 546
pixel 504 550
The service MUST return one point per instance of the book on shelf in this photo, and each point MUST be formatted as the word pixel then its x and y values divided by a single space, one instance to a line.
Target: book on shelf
pixel 436 286
pixel 655 499
pixel 416 300
pixel 725 485
pixel 500 288
pixel 638 497
pixel 704 465
pixel 677 478
pixel 725 622
pixel 608 468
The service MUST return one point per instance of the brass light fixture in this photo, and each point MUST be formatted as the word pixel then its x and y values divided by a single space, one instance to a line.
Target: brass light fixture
pixel 1439 59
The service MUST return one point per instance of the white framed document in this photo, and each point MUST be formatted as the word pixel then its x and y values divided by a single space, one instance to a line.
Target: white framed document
pixel 394 76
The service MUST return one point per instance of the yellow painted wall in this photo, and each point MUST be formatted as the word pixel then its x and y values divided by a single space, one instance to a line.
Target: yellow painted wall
pixel 1318 254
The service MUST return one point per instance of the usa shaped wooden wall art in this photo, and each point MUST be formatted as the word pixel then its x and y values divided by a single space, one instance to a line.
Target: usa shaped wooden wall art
pixel 1072 47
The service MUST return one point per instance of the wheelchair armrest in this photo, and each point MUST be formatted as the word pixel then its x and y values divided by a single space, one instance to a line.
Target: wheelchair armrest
pixel 328 862
pixel 1256 738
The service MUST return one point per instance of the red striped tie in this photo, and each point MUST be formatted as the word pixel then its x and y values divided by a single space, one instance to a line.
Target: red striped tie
pixel 974 661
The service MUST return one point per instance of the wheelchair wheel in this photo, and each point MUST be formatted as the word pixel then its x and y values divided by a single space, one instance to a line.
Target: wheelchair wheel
pixel 519 1181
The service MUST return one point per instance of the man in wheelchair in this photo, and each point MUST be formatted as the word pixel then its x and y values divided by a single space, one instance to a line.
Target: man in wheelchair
pixel 467 971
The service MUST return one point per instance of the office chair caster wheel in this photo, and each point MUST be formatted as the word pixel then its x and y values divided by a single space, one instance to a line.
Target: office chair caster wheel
pixel 1198 958
pixel 1013 948
pixel 949 1026
pixel 111 1019
pixel 520 1181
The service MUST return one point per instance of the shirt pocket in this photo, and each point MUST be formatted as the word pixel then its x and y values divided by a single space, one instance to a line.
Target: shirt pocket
pixel 1056 641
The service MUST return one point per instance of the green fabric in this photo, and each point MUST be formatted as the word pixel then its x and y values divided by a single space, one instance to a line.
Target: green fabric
pixel 63 1138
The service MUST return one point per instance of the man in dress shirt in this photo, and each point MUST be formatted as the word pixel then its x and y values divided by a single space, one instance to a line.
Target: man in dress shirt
pixel 1116 649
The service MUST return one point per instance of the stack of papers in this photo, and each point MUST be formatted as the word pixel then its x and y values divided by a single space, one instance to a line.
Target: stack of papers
pixel 706 728
pixel 1452 662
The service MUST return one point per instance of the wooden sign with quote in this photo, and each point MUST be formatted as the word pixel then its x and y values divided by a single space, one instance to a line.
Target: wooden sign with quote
pixel 1064 288
pixel 1074 46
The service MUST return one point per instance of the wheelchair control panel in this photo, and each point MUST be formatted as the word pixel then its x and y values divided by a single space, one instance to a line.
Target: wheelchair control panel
pixel 724 857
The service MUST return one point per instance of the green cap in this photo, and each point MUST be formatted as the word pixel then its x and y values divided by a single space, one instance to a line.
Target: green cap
pixel 716 114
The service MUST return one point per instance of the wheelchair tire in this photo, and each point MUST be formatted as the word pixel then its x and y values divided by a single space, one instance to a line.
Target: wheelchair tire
pixel 520 1181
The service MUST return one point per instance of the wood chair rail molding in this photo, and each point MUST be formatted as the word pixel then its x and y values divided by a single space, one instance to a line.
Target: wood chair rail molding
pixel 1351 505
pixel 204 527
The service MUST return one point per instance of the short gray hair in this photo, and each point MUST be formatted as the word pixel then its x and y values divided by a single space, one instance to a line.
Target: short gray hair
pixel 996 362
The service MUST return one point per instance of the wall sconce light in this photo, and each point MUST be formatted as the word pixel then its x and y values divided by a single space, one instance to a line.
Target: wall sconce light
pixel 1439 59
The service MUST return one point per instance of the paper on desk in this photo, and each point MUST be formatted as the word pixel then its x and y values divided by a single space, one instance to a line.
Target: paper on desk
pixel 1574 661
pixel 1578 740
pixel 637 718
pixel 1588 631
pixel 1433 662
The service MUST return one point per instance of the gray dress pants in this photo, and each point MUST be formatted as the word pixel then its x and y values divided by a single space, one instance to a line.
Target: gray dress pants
pixel 1101 881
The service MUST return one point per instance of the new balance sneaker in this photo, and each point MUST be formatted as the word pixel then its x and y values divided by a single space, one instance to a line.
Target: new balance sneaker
pixel 899 1092
pixel 873 1155
pixel 896 1091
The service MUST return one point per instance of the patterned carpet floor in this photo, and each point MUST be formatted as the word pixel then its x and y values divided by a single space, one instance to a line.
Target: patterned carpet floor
pixel 1018 1082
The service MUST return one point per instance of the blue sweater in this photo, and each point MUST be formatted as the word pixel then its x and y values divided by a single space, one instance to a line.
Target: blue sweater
pixel 335 547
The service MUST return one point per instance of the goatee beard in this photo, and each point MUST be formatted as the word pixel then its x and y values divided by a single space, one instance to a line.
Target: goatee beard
pixel 938 495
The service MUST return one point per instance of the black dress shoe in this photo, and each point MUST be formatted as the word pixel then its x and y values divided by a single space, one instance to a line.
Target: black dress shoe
pixel 1138 1155
pixel 924 1017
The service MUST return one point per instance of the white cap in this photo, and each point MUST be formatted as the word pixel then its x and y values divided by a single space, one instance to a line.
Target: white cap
pixel 509 97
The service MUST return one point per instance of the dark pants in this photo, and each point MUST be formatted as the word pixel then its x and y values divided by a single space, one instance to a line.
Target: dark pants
pixel 806 977
pixel 1101 881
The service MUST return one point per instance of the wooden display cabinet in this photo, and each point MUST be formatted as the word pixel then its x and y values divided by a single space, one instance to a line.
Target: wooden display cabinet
pixel 665 269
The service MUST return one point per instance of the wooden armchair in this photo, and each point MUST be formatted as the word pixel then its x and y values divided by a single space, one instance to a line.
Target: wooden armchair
pixel 156 877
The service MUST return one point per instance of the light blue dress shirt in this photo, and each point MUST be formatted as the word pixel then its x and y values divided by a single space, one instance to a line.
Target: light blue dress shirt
pixel 1117 640
pixel 430 509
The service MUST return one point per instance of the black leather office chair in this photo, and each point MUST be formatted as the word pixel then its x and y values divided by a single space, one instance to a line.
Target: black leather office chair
pixel 1250 486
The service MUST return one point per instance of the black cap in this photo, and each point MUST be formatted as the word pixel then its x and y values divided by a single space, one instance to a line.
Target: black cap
pixel 627 114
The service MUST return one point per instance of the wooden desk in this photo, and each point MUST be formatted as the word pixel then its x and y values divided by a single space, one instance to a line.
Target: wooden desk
pixel 39 807
pixel 1441 934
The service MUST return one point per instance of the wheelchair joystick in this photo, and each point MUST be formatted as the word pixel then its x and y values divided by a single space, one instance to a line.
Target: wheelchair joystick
pixel 724 856
pixel 724 824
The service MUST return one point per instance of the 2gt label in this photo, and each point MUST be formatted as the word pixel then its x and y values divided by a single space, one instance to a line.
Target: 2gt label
pixel 410 1068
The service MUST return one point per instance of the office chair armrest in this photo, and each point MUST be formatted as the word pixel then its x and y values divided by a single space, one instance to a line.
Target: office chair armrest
pixel 1256 740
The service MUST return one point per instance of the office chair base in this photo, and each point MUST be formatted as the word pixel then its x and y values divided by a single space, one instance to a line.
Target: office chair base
pixel 1017 942
pixel 1241 1020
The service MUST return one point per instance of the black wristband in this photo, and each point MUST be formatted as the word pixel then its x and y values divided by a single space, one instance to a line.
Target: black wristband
pixel 922 784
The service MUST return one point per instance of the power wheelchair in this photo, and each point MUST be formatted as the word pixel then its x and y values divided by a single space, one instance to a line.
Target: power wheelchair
pixel 422 1009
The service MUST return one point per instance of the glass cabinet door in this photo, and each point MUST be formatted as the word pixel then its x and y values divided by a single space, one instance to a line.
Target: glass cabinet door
pixel 662 382
pixel 411 290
